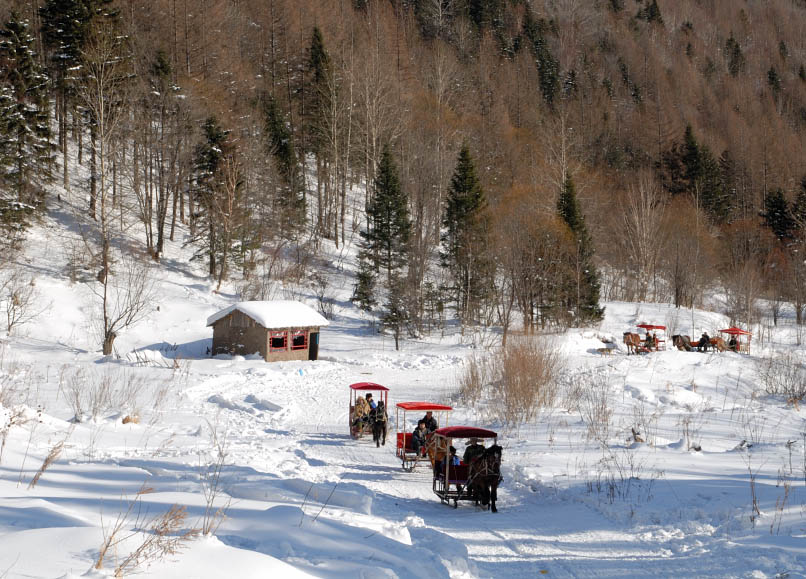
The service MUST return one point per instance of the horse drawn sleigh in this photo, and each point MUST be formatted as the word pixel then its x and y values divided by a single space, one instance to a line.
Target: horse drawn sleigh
pixel 365 419
pixel 406 449
pixel 650 342
pixel 474 479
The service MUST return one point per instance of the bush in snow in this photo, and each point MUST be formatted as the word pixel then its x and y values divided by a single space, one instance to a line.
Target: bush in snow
pixel 783 376
pixel 514 381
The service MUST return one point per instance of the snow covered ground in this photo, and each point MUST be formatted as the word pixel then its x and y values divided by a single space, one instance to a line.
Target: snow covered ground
pixel 303 498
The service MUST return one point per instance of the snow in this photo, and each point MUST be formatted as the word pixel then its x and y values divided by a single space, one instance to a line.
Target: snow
pixel 302 498
pixel 276 314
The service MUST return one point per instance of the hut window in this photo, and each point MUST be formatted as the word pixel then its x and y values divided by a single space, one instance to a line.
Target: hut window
pixel 278 341
pixel 300 340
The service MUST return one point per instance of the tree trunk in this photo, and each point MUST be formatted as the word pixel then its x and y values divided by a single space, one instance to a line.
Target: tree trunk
pixel 109 340
pixel 93 171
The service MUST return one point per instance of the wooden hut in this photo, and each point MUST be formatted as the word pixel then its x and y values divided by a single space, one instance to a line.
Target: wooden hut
pixel 277 330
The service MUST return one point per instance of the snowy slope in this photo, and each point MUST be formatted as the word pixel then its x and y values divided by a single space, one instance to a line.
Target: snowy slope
pixel 303 498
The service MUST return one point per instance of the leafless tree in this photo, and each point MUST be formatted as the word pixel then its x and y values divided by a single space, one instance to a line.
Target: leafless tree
pixel 126 297
pixel 18 298
pixel 642 215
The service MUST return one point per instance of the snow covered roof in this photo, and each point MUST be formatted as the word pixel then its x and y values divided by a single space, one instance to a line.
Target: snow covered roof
pixel 275 314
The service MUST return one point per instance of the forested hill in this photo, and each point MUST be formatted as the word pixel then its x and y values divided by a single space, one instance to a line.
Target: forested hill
pixel 491 158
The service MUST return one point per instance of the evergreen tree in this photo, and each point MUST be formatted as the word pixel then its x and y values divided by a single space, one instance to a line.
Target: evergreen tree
pixel 289 204
pixel 650 13
pixel 387 236
pixel 690 167
pixel 396 316
pixel 715 200
pixel 317 92
pixel 66 27
pixel 364 291
pixel 799 210
pixel 465 237
pixel 582 292
pixel 729 175
pixel 774 82
pixel 25 147
pixel 616 5
pixel 777 215
pixel 733 52
pixel 207 176
pixel 548 67
pixel 692 162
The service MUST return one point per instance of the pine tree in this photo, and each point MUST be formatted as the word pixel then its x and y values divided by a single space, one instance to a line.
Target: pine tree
pixel 650 13
pixel 548 67
pixel 713 197
pixel 208 165
pixel 289 204
pixel 690 167
pixel 364 291
pixel 774 82
pixel 616 5
pixel 25 147
pixel 799 210
pixel 318 93
pixel 777 215
pixel 387 237
pixel 583 291
pixel 396 316
pixel 733 52
pixel 66 27
pixel 464 240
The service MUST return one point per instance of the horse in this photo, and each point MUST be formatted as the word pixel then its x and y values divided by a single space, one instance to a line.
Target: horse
pixel 378 422
pixel 719 344
pixel 484 476
pixel 682 342
pixel 435 455
pixel 633 342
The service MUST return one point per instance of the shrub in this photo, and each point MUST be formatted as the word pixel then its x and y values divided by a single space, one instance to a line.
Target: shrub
pixel 515 381
pixel 783 376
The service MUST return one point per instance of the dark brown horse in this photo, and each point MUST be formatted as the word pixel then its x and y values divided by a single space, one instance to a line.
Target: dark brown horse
pixel 378 421
pixel 682 342
pixel 484 476
pixel 633 342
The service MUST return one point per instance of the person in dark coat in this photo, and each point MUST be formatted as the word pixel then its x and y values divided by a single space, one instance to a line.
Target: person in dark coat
pixel 705 341
pixel 418 438
pixel 473 450
pixel 430 422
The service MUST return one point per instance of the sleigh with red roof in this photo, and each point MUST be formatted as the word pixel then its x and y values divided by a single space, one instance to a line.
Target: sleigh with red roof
pixel 359 410
pixel 405 425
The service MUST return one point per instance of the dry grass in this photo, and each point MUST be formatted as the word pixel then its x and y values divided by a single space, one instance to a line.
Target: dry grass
pixel 515 381
pixel 162 535
pixel 785 376
pixel 52 456
pixel 91 393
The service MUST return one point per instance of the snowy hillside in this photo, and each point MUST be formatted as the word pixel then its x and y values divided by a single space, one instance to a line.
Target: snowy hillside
pixel 580 497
